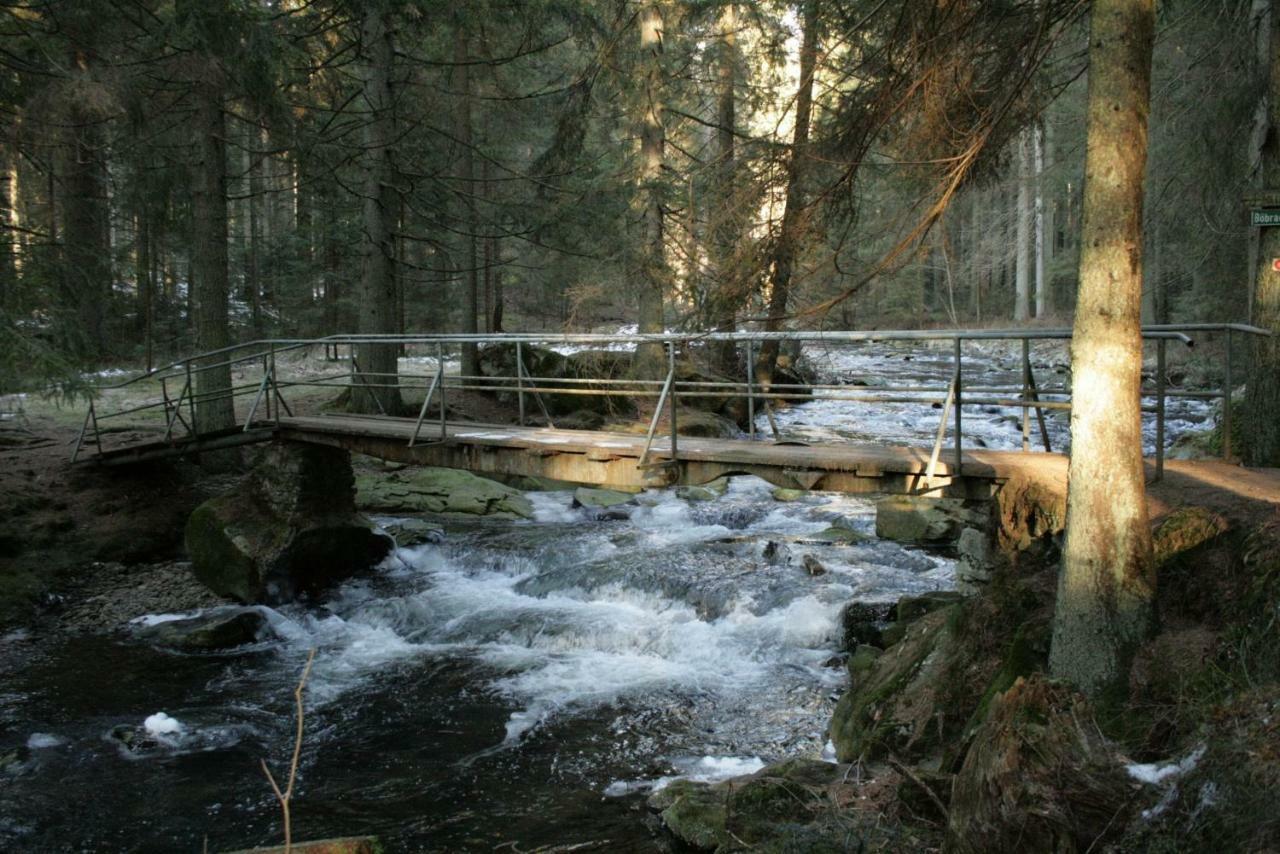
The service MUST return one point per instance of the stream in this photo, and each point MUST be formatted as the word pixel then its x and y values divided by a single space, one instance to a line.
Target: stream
pixel 518 683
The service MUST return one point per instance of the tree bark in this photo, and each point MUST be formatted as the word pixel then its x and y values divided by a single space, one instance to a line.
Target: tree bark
pixel 1260 427
pixel 85 277
pixel 376 388
pixel 466 170
pixel 795 204
pixel 1106 589
pixel 1022 287
pixel 653 273
pixel 1038 159
pixel 726 233
pixel 208 287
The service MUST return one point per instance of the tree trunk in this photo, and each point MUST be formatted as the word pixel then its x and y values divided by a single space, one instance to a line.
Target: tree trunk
pixel 10 242
pixel 466 170
pixel 1042 285
pixel 653 273
pixel 376 388
pixel 728 293
pixel 1106 589
pixel 208 286
pixel 1022 292
pixel 86 254
pixel 794 203
pixel 1260 427
pixel 253 254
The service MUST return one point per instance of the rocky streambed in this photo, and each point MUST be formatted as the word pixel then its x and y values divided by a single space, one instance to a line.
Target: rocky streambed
pixel 525 667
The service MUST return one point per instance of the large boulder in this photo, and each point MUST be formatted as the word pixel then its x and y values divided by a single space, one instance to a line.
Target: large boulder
pixel 926 521
pixel 291 527
pixel 440 490
pixel 550 370
pixel 218 629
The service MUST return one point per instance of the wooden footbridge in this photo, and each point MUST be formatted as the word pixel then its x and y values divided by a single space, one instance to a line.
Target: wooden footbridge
pixel 280 393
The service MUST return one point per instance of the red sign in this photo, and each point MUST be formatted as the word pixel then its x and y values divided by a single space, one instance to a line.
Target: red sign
pixel 1275 265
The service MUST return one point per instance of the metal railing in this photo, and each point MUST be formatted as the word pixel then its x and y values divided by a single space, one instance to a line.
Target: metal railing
pixel 758 394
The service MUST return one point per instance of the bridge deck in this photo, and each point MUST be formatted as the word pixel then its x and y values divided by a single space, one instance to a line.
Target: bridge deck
pixel 591 456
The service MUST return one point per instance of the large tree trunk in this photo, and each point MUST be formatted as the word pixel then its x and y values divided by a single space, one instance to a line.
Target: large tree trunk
pixel 208 289
pixel 794 204
pixel 1022 293
pixel 10 236
pixel 653 273
pixel 466 170
pixel 85 276
pixel 1106 589
pixel 1260 431
pixel 1038 158
pixel 728 292
pixel 376 388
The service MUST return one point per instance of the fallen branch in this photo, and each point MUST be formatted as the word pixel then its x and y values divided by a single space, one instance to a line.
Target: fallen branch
pixel 287 795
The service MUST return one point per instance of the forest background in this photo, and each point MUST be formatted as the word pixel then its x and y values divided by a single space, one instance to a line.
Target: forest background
pixel 181 174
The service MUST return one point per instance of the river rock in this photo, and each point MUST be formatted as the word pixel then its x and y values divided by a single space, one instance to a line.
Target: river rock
pixel 600 499
pixel 289 527
pixel 910 608
pixel 894 708
pixel 414 532
pixel 695 813
pixel 784 494
pixel 813 566
pixel 834 536
pixel 925 521
pixel 975 564
pixel 706 492
pixel 439 490
pixel 863 623
pixel 219 629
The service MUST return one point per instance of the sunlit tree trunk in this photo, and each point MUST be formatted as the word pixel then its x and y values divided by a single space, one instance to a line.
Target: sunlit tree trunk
pixel 10 239
pixel 1106 589
pixel 794 205
pixel 652 274
pixel 1260 434
pixel 376 389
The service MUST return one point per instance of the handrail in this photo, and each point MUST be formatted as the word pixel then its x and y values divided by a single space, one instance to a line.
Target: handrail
pixel 1029 396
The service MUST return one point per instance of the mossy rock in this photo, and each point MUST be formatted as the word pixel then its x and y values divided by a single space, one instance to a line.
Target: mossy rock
pixel 241 549
pixel 910 608
pixel 925 521
pixel 835 536
pixel 704 492
pixel 1185 530
pixel 440 490
pixel 863 623
pixel 760 805
pixel 217 630
pixel 600 499
pixel 785 494
pixel 695 813
pixel 895 708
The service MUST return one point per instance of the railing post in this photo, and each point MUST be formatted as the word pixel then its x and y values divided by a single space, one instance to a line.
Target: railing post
pixel 671 373
pixel 1026 395
pixel 191 402
pixel 272 406
pixel 959 401
pixel 1160 354
pixel 751 393
pixel 520 378
pixel 1226 404
pixel 444 429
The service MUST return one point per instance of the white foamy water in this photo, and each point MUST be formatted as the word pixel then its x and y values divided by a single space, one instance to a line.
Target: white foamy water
pixel 691 626
pixel 874 368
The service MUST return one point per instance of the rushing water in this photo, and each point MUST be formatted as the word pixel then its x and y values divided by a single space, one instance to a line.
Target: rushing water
pixel 520 682
pixel 867 368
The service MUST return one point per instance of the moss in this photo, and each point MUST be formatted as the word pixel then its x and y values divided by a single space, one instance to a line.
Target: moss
pixel 695 813
pixel 221 564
